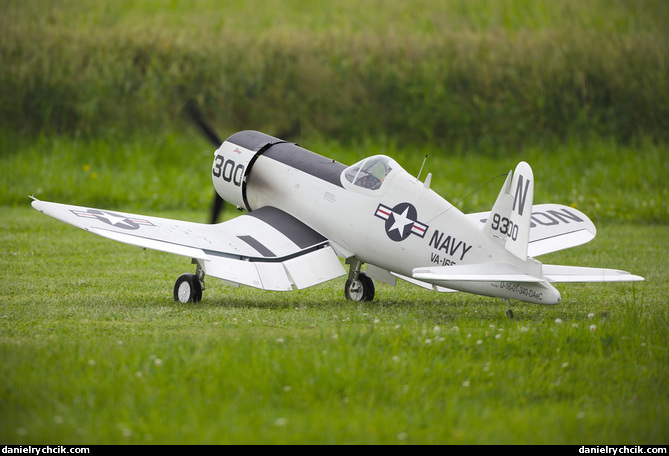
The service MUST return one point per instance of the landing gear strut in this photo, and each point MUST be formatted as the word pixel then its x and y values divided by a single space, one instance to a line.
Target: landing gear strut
pixel 189 287
pixel 509 312
pixel 359 286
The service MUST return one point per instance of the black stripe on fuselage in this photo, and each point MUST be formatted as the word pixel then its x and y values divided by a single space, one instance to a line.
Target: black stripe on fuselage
pixel 253 140
pixel 299 233
pixel 290 154
pixel 306 161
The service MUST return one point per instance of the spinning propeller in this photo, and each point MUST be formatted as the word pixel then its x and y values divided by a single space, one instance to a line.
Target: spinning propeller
pixel 195 115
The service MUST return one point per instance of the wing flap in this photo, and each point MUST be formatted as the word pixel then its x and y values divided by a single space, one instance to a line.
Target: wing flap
pixel 300 272
pixel 240 272
pixel 314 268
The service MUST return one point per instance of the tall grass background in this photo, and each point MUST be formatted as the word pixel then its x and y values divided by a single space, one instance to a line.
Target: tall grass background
pixel 493 75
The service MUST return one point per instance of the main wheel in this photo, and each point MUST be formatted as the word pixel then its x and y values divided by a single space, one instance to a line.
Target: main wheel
pixel 360 289
pixel 188 289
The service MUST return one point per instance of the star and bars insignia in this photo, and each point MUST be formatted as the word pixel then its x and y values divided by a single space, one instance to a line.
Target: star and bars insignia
pixel 110 218
pixel 401 221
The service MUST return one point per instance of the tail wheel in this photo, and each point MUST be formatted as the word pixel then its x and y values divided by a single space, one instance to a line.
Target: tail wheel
pixel 188 289
pixel 360 288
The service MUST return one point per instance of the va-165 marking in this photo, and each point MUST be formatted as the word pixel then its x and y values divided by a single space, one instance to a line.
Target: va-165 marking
pixel 304 212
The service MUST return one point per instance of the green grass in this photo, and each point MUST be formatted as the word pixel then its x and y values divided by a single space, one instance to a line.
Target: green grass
pixel 94 350
pixel 170 170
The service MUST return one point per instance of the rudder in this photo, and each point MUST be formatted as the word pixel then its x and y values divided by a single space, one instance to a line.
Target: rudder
pixel 510 218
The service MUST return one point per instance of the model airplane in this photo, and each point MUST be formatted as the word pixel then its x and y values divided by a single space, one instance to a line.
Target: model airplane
pixel 306 211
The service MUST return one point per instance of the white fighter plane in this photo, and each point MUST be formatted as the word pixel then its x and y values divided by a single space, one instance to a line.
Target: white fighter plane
pixel 306 211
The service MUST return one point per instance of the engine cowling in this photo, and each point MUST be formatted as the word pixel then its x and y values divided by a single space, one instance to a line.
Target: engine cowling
pixel 233 162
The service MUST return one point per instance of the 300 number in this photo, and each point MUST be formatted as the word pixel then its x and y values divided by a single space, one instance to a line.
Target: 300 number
pixel 228 170
pixel 504 226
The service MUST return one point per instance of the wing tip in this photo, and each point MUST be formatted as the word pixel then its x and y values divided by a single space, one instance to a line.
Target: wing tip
pixel 37 204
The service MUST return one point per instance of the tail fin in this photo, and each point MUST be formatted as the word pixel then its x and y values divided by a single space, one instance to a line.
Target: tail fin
pixel 509 220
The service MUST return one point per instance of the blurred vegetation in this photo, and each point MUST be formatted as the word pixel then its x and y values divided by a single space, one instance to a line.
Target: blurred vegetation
pixel 171 170
pixel 493 75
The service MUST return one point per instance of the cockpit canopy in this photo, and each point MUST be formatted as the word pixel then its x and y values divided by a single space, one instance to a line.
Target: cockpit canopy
pixel 370 172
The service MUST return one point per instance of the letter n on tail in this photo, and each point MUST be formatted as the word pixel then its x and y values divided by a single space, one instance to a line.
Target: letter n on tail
pixel 510 218
pixel 520 198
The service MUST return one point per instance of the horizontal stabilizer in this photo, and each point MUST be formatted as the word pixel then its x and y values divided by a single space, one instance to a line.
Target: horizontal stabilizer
pixel 492 272
pixel 555 273
pixel 553 227
pixel 492 279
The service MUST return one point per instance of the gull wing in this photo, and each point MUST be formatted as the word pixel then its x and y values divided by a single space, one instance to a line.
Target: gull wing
pixel 553 227
pixel 266 248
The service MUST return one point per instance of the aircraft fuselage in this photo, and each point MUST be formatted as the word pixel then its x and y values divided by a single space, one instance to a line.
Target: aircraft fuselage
pixel 395 223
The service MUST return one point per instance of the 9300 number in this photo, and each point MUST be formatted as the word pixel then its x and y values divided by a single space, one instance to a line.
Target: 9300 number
pixel 504 226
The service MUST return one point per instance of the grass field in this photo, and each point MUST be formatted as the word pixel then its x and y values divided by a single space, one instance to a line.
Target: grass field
pixel 94 350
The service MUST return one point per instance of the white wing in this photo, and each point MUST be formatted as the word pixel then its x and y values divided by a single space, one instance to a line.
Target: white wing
pixel 266 248
pixel 553 227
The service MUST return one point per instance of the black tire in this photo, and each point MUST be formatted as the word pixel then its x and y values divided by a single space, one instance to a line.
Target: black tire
pixel 361 289
pixel 188 289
